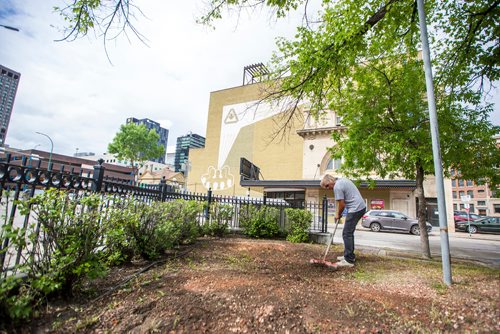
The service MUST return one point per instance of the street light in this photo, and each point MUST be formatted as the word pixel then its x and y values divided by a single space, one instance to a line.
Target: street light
pixel 9 27
pixel 51 148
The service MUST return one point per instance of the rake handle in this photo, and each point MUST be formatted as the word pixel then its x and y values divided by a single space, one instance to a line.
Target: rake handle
pixel 331 239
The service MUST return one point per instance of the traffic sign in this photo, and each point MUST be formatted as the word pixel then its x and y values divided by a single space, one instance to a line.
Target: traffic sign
pixel 465 198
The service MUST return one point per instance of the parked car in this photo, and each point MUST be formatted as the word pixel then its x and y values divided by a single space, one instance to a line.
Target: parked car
pixel 485 224
pixel 463 215
pixel 390 220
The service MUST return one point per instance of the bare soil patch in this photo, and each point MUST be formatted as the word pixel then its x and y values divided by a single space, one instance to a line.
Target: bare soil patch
pixel 266 286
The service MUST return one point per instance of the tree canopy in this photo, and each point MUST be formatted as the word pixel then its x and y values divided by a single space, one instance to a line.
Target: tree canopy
pixel 136 143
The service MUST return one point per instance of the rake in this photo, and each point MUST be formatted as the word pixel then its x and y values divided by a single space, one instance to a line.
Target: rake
pixel 324 262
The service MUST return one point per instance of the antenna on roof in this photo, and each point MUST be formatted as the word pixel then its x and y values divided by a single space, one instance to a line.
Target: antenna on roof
pixel 254 73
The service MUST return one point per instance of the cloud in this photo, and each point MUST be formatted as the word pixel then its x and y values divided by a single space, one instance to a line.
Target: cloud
pixel 72 93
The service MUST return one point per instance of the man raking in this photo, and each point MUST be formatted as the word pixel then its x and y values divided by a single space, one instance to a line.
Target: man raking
pixel 347 196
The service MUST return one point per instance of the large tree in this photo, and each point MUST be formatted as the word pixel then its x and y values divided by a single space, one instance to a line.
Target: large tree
pixel 135 143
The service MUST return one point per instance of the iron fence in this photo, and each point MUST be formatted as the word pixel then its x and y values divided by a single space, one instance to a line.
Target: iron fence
pixel 23 180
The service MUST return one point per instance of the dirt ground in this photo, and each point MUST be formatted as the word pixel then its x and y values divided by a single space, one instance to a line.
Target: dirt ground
pixel 238 285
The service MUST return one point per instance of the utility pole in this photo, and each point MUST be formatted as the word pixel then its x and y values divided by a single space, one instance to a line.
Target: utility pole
pixel 436 149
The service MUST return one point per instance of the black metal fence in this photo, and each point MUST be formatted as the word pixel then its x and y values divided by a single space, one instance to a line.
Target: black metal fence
pixel 22 180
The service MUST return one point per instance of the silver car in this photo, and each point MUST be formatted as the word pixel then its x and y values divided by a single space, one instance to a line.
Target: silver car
pixel 390 220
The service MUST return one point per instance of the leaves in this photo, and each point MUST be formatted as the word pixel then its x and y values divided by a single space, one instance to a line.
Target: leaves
pixel 136 143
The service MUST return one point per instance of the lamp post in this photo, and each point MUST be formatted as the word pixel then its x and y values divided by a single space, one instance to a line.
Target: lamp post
pixel 9 27
pixel 49 167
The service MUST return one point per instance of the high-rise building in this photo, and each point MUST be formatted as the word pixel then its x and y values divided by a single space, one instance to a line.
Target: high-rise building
pixel 159 130
pixel 9 80
pixel 184 143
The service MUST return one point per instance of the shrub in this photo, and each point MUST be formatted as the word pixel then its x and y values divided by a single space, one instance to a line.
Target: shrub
pixel 218 224
pixel 120 222
pixel 184 216
pixel 60 249
pixel 16 300
pixel 146 232
pixel 299 222
pixel 68 245
pixel 76 237
pixel 260 222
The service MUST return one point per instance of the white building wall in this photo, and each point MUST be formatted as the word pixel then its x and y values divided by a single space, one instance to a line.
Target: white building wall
pixel 112 159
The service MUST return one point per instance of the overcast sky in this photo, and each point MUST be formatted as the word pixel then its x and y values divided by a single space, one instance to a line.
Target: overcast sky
pixel 71 92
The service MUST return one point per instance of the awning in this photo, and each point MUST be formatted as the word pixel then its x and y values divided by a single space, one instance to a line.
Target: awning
pixel 378 184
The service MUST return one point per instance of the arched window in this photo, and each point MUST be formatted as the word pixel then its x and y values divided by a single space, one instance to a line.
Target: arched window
pixel 334 164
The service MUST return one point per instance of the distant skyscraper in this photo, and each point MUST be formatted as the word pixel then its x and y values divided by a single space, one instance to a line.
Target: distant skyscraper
pixel 9 80
pixel 184 143
pixel 159 130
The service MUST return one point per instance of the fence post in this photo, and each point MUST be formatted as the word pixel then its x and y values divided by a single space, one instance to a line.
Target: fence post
pixel 98 176
pixel 209 200
pixel 163 189
pixel 324 215
pixel 265 198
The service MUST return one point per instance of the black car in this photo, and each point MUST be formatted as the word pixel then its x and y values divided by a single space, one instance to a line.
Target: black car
pixel 485 224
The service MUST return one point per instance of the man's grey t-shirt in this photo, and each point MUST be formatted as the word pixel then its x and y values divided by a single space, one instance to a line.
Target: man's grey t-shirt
pixel 346 190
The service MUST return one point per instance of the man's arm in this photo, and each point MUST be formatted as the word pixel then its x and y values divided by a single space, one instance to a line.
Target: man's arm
pixel 340 208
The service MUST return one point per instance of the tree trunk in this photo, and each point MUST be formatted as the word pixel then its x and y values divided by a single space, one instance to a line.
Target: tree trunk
pixel 422 213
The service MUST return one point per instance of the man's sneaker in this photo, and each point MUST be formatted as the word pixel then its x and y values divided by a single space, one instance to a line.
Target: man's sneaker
pixel 340 258
pixel 344 263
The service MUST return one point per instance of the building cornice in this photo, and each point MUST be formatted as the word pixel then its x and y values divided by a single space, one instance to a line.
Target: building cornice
pixel 320 131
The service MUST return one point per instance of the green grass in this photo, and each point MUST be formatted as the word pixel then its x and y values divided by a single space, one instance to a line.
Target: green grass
pixel 240 261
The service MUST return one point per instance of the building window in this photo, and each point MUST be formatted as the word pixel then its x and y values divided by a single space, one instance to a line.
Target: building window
pixel 470 193
pixel 452 172
pixel 496 208
pixel 480 191
pixel 462 193
pixel 471 207
pixel 482 212
pixel 462 206
pixel 469 183
pixel 455 207
pixel 454 194
pixel 453 182
pixel 460 183
pixel 334 164
pixel 482 203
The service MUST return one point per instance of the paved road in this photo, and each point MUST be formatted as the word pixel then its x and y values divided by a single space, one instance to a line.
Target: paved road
pixel 480 247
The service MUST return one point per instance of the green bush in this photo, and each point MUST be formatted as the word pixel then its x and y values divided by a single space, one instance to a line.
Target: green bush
pixel 298 223
pixel 72 240
pixel 218 224
pixel 260 222
pixel 62 248
pixel 77 237
pixel 184 217
pixel 120 222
